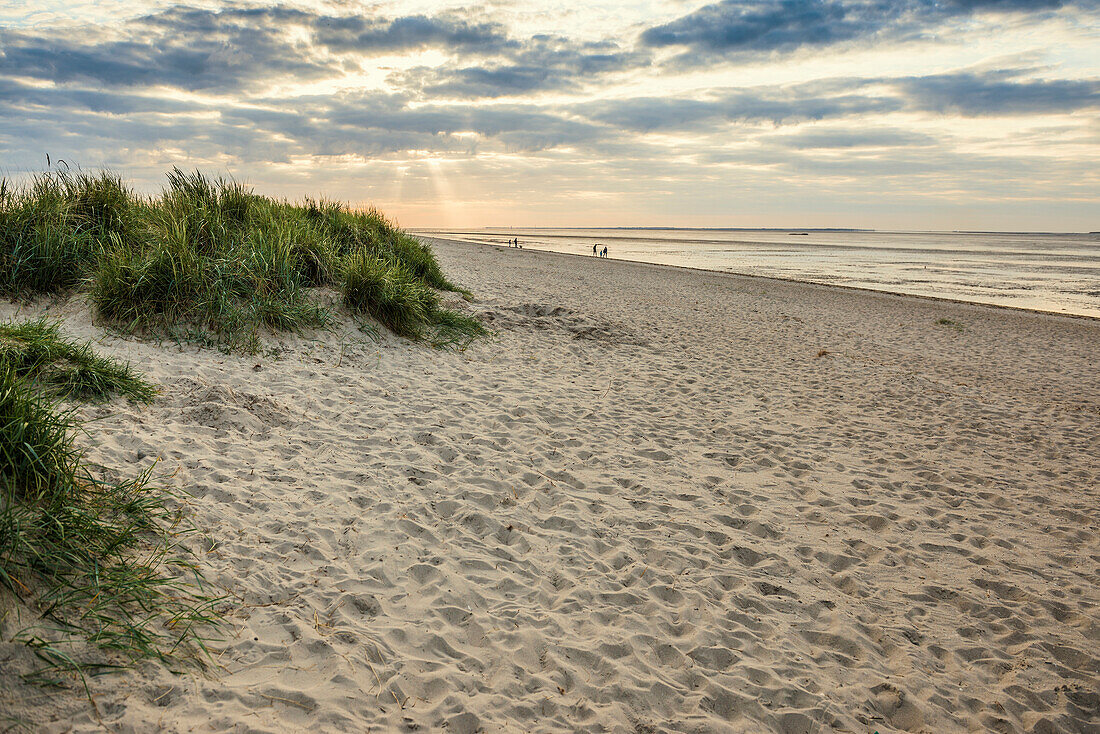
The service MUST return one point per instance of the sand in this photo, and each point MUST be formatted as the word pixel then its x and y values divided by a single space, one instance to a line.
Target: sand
pixel 657 500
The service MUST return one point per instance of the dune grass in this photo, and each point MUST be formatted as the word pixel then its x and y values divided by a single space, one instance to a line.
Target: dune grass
pixel 950 323
pixel 389 292
pixel 97 560
pixel 208 257
pixel 404 303
pixel 36 351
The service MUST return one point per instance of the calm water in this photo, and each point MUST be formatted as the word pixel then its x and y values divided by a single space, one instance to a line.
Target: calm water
pixel 1048 272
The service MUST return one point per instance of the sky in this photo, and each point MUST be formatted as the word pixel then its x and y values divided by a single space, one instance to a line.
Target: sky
pixel 908 114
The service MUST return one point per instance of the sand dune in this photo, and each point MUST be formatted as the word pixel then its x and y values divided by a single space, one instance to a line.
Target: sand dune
pixel 658 500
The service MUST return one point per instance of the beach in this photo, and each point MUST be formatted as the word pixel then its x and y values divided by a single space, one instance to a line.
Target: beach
pixel 658 499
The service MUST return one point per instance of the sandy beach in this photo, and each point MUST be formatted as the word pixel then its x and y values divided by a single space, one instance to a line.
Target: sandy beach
pixel 656 500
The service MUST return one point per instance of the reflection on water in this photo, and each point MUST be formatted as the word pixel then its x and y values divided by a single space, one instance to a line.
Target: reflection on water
pixel 1048 272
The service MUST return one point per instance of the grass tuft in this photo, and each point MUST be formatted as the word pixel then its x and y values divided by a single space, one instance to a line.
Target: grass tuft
pixel 36 351
pixel 389 292
pixel 951 324
pixel 453 330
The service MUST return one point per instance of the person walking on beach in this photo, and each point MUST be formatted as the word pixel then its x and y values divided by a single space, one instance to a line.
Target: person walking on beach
pixel 593 249
pixel 604 252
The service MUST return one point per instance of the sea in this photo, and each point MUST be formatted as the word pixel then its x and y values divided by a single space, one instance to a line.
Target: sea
pixel 1058 273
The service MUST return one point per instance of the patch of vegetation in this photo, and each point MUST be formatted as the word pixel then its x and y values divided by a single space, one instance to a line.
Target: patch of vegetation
pixel 391 293
pixel 209 258
pixel 951 324
pixel 96 559
pixel 36 352
pixel 454 330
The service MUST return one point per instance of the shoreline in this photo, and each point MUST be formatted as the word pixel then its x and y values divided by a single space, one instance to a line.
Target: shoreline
pixel 862 289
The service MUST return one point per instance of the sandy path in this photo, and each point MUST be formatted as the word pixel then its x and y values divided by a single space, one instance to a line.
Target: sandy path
pixel 647 505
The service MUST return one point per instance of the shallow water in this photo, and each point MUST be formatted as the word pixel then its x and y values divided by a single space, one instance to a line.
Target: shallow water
pixel 1047 272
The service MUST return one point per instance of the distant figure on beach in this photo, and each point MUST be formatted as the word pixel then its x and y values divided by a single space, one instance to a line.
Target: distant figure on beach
pixel 593 249
pixel 604 252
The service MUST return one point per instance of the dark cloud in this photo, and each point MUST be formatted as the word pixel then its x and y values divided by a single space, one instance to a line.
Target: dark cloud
pixel 768 105
pixel 753 26
pixel 18 98
pixel 999 93
pixel 1005 5
pixel 359 34
pixel 543 63
pixel 764 26
pixel 484 82
pixel 383 124
pixel 184 48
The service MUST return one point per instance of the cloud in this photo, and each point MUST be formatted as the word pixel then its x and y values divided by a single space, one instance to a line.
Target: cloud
pixel 540 64
pixel 19 99
pixel 181 47
pixel 761 105
pixel 851 138
pixel 1005 5
pixel 999 93
pixel 360 34
pixel 733 27
pixel 233 49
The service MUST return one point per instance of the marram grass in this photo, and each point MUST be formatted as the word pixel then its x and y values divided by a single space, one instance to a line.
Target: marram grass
pixel 209 257
pixel 393 295
pixel 37 352
pixel 96 560
pixel 389 292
